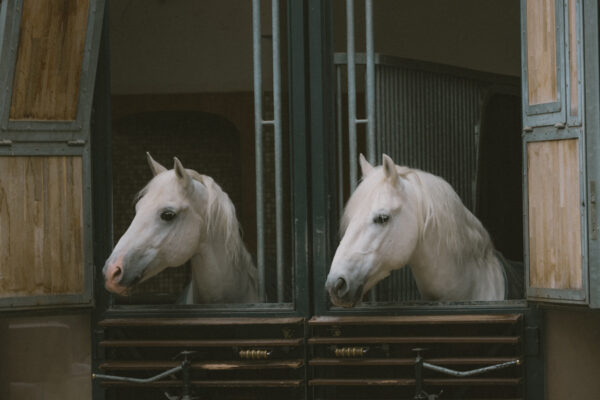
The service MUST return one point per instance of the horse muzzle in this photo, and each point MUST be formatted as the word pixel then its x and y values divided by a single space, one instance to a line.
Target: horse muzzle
pixel 342 293
pixel 113 277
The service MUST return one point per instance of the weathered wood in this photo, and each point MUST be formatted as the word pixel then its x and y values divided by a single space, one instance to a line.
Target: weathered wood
pixel 411 382
pixel 201 365
pixel 415 339
pixel 49 60
pixel 41 226
pixel 554 214
pixel 541 51
pixel 347 362
pixel 417 320
pixel 203 343
pixel 214 383
pixel 133 322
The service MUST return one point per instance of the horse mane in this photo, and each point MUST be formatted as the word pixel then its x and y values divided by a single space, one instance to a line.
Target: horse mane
pixel 220 215
pixel 456 226
pixel 439 209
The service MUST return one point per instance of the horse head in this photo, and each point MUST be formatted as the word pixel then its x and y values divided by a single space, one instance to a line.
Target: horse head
pixel 165 232
pixel 380 230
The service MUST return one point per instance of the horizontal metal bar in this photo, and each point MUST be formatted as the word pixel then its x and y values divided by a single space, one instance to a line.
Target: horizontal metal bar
pixel 411 382
pixel 203 343
pixel 218 365
pixel 148 322
pixel 452 372
pixel 221 383
pixel 415 339
pixel 361 121
pixel 270 122
pixel 465 319
pixel 138 380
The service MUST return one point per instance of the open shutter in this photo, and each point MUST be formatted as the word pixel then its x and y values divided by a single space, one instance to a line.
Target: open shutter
pixel 48 58
pixel 554 151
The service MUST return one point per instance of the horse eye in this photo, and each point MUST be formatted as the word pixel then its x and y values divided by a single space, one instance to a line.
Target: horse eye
pixel 167 215
pixel 381 219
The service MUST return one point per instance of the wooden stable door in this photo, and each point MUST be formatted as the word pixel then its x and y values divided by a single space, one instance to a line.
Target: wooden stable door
pixel 48 58
pixel 556 127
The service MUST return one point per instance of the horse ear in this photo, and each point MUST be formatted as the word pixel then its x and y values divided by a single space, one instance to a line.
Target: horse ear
pixel 155 167
pixel 389 169
pixel 181 173
pixel 365 167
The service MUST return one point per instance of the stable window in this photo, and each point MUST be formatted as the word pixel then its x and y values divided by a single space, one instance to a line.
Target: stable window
pixel 438 102
pixel 210 86
pixel 507 132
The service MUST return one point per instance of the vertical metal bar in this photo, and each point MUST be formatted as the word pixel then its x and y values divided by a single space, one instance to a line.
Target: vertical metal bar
pixel 297 40
pixel 260 229
pixel 370 86
pixel 340 141
pixel 351 93
pixel 418 375
pixel 278 148
pixel 370 81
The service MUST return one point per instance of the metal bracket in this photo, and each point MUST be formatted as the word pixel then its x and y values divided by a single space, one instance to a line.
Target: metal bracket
pixel 184 367
pixel 421 394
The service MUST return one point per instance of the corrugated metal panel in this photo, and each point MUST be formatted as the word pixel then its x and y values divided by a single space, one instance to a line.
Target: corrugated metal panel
pixel 427 117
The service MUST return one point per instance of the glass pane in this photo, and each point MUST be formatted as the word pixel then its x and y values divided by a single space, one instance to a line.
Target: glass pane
pixel 185 89
pixel 45 358
pixel 573 53
pixel 554 215
pixel 541 51
pixel 46 81
pixel 41 226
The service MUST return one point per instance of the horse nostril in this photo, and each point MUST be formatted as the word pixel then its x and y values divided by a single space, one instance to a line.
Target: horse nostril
pixel 117 272
pixel 341 287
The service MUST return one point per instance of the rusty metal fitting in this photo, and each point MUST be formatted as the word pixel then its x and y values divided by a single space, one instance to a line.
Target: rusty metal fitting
pixel 350 352
pixel 255 354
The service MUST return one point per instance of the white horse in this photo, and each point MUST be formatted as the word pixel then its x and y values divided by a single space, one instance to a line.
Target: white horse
pixel 180 216
pixel 399 216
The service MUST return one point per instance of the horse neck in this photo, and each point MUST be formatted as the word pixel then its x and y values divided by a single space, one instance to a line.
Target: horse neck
pixel 222 269
pixel 221 277
pixel 454 259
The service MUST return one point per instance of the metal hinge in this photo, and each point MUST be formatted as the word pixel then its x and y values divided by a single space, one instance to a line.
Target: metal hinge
pixel 78 142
